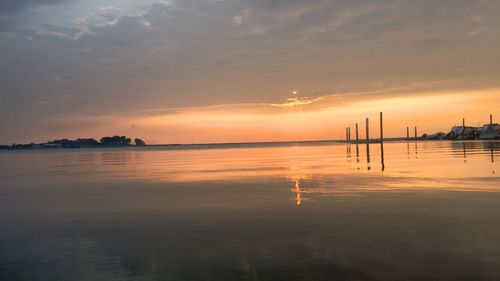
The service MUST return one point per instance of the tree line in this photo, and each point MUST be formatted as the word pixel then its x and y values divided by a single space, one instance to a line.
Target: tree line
pixel 114 141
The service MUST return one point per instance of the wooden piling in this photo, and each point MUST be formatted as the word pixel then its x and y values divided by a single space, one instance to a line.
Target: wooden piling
pixel 407 133
pixel 382 141
pixel 463 122
pixel 415 132
pixel 381 127
pixel 367 130
pixel 491 119
pixel 357 133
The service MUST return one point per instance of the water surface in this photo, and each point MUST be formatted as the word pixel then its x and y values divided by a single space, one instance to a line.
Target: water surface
pixel 303 211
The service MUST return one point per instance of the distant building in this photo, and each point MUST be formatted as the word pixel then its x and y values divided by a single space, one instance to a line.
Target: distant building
pixel 463 133
pixel 490 132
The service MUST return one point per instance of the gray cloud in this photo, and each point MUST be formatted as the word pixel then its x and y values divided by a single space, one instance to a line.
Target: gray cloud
pixel 9 6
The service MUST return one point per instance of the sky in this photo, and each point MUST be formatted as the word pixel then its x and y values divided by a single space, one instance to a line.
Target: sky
pixel 197 71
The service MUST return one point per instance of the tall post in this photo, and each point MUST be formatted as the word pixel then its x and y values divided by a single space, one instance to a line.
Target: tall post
pixel 357 133
pixel 463 122
pixel 349 134
pixel 381 128
pixel 382 141
pixel 367 130
pixel 491 119
pixel 407 133
pixel 415 132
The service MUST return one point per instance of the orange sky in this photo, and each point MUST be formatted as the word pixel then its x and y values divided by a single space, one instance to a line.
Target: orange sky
pixel 323 118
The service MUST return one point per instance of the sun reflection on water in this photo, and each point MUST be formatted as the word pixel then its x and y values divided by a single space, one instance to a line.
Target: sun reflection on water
pixel 312 170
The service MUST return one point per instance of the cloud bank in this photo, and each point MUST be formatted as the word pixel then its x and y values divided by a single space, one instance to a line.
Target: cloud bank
pixel 119 58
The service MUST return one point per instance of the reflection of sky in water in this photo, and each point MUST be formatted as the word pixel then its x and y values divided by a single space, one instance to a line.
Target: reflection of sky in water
pixel 317 212
pixel 332 168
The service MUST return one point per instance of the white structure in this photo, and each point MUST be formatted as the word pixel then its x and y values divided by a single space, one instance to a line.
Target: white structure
pixel 490 132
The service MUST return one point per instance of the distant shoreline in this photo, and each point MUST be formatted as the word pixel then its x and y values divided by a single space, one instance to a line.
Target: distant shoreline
pixel 250 144
pixel 361 141
pixel 488 132
pixel 279 142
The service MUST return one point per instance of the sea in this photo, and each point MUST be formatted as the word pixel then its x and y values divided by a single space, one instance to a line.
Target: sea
pixel 268 211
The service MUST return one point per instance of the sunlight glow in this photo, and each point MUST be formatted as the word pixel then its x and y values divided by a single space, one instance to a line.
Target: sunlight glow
pixel 297 119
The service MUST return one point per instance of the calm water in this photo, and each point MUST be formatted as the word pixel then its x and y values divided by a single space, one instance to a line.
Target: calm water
pixel 317 211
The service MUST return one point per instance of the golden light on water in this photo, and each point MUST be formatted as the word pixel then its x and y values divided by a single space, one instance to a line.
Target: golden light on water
pixel 298 198
pixel 306 171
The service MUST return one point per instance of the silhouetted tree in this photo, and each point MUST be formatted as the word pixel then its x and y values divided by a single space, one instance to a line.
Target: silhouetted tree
pixel 115 141
pixel 79 143
pixel 139 142
pixel 87 142
pixel 65 143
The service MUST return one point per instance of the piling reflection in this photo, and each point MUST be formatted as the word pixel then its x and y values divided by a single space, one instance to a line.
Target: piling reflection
pixel 349 157
pixel 492 158
pixel 416 149
pixel 492 154
pixel 357 152
pixel 382 160
pixel 408 149
pixel 368 160
pixel 465 153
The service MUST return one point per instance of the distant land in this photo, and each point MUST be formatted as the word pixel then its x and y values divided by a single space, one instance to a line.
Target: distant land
pixel 114 141
pixel 487 132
